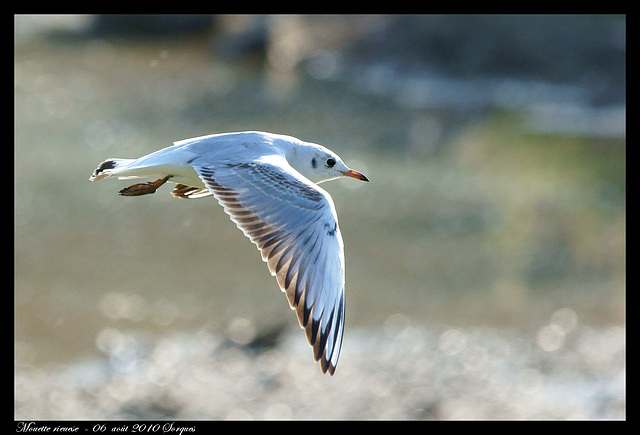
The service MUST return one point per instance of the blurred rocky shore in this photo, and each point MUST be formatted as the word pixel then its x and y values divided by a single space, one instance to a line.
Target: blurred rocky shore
pixel 399 371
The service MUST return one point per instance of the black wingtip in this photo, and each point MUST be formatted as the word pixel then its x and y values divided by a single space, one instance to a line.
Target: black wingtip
pixel 327 367
pixel 106 165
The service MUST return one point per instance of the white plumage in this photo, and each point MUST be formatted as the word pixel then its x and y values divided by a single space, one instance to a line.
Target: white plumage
pixel 266 183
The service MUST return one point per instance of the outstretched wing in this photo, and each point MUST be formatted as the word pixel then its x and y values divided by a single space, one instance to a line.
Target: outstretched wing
pixel 294 225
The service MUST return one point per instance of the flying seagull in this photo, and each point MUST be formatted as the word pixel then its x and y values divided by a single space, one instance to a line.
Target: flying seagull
pixel 267 183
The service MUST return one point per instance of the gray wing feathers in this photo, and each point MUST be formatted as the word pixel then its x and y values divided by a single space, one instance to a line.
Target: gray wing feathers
pixel 185 192
pixel 294 226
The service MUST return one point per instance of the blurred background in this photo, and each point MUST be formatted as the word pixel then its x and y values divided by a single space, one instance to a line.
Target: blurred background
pixel 485 260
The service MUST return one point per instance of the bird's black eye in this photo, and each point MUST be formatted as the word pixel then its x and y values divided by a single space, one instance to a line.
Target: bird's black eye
pixel 331 163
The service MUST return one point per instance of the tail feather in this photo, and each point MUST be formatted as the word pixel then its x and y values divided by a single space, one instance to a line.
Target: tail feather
pixel 155 168
pixel 108 168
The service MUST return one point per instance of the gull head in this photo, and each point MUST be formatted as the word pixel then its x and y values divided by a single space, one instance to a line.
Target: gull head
pixel 319 164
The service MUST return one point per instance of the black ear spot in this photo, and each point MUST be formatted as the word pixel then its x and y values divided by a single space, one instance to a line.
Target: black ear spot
pixel 314 163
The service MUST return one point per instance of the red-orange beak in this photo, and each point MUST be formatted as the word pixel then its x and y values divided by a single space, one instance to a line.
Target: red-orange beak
pixel 355 174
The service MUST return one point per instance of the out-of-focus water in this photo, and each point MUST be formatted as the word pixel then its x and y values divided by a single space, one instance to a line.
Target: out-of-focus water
pixel 496 218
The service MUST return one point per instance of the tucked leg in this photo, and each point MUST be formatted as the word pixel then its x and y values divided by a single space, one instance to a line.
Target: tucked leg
pixel 144 188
